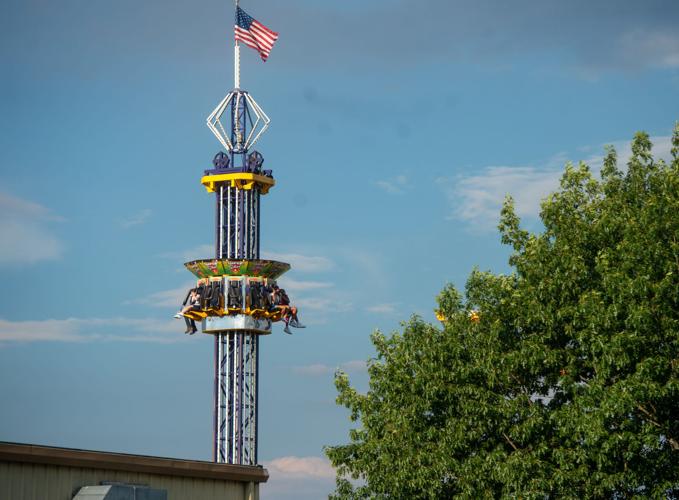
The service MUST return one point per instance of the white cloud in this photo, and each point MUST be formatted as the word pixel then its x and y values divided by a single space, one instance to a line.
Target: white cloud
pixel 171 298
pixel 92 329
pixel 325 304
pixel 292 285
pixel 662 147
pixel 198 252
pixel 318 369
pixel 302 263
pixel 355 366
pixel 296 478
pixel 370 264
pixel 27 237
pixel 477 199
pixel 136 219
pixel 316 300
pixel 386 308
pixel 659 48
pixel 319 300
pixel 28 331
pixel 394 185
pixel 300 467
pixel 313 370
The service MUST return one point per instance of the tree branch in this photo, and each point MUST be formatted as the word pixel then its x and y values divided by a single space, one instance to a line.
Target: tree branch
pixel 648 414
pixel 651 419
pixel 511 443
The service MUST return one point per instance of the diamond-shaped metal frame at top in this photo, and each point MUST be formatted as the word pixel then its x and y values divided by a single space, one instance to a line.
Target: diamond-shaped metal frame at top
pixel 233 315
pixel 248 112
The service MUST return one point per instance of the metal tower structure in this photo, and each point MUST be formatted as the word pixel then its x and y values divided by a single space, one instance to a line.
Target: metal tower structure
pixel 235 284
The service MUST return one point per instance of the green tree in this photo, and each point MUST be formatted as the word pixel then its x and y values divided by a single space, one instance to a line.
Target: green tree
pixel 568 383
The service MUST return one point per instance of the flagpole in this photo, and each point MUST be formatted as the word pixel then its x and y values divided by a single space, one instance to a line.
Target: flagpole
pixel 236 59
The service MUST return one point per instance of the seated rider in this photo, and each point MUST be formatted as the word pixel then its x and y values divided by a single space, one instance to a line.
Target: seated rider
pixel 274 297
pixel 289 312
pixel 191 303
pixel 265 297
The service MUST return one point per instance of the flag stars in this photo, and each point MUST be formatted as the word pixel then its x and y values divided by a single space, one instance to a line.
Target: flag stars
pixel 254 34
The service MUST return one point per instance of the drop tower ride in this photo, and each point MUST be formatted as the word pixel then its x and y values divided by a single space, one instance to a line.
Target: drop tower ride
pixel 235 285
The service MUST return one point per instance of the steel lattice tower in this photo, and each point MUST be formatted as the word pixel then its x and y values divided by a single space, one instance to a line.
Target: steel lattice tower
pixel 234 281
pixel 237 238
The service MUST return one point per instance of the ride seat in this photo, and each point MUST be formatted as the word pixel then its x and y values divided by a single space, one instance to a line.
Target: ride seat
pixel 234 299
pixel 215 300
pixel 256 302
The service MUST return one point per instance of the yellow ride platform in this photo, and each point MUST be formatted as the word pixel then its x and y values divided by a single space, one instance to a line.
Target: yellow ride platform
pixel 274 315
pixel 239 180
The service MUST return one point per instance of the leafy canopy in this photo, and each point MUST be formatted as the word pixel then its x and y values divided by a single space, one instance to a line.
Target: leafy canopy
pixel 568 383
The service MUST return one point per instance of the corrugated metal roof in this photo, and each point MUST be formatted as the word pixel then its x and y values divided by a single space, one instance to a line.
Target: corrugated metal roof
pixel 27 453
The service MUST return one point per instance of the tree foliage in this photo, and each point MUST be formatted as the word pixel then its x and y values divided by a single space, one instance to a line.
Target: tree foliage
pixel 567 386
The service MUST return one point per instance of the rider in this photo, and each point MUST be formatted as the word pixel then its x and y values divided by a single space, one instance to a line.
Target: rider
pixel 192 303
pixel 289 312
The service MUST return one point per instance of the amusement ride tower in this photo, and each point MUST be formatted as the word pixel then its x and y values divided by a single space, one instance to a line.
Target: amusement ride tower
pixel 236 285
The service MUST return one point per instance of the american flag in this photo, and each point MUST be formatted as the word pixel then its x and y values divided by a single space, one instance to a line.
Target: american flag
pixel 254 34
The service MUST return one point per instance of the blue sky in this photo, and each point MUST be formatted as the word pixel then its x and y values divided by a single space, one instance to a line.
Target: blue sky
pixel 396 132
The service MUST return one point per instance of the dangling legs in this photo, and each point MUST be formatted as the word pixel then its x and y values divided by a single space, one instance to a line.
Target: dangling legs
pixel 190 326
pixel 295 320
pixel 286 320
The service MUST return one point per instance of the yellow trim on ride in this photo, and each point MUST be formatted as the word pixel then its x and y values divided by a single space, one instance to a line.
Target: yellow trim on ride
pixel 196 315
pixel 274 316
pixel 239 180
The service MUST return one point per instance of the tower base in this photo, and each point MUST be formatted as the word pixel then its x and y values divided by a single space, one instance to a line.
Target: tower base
pixel 236 387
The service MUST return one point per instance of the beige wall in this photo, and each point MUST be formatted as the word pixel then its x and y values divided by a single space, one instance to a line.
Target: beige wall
pixel 26 481
pixel 35 472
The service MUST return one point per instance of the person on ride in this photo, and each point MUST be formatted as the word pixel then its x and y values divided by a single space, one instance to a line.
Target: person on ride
pixel 274 296
pixel 192 303
pixel 289 312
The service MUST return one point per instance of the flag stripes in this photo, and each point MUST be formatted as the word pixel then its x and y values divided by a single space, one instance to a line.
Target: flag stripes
pixel 254 34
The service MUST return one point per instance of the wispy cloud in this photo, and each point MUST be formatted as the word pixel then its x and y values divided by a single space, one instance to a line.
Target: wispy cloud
pixel 578 35
pixel 325 304
pixel 292 285
pixel 355 366
pixel 317 369
pixel 171 298
pixel 605 35
pixel 136 219
pixel 92 330
pixel 26 232
pixel 386 308
pixel 477 199
pixel 394 185
pixel 313 370
pixel 302 263
pixel 204 251
pixel 317 300
pixel 660 48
